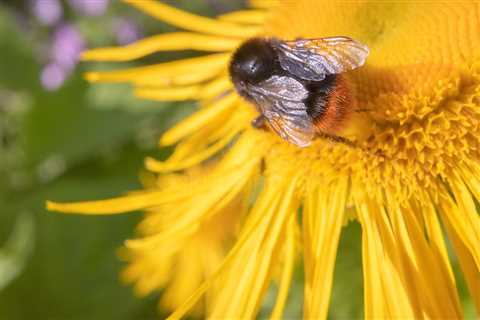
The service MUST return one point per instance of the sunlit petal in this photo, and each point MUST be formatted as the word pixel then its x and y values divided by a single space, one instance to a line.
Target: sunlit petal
pixel 142 75
pixel 322 222
pixel 163 42
pixel 192 22
pixel 245 16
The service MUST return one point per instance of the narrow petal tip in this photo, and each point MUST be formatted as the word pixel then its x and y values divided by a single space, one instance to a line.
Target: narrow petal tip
pixel 59 207
pixel 133 244
pixel 86 55
pixel 166 140
pixel 52 206
pixel 150 163
pixel 91 76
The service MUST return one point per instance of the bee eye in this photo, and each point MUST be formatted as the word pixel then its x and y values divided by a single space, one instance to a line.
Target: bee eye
pixel 253 66
pixel 253 61
pixel 254 69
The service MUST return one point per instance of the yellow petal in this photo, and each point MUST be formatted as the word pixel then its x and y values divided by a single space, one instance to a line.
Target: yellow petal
pixel 205 142
pixel 434 232
pixel 197 120
pixel 462 216
pixel 244 16
pixel 163 72
pixel 247 279
pixel 287 272
pixel 216 87
pixel 409 266
pixel 195 77
pixel 206 196
pixel 385 295
pixel 178 88
pixel 192 22
pixel 323 219
pixel 169 94
pixel 471 271
pixel 194 159
pixel 253 234
pixel 200 205
pixel 427 268
pixel 197 255
pixel 163 42
pixel 266 4
pixel 111 206
pixel 193 299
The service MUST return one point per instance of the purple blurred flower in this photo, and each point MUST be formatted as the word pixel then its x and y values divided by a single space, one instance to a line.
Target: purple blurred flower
pixel 47 12
pixel 67 44
pixel 126 31
pixel 53 76
pixel 90 7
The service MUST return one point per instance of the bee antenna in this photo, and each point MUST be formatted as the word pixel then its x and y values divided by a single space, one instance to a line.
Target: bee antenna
pixel 351 144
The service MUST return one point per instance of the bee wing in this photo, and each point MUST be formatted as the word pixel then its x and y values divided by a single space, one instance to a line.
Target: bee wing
pixel 280 100
pixel 298 130
pixel 313 59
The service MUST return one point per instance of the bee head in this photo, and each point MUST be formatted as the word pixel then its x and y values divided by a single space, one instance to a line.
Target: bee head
pixel 253 62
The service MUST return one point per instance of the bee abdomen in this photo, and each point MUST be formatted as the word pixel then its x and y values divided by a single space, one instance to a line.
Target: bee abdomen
pixel 329 103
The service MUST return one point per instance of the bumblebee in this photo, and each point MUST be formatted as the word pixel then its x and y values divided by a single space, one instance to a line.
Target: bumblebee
pixel 297 86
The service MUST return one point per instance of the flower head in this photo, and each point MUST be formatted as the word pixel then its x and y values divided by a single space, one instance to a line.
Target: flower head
pixel 90 8
pixel 64 53
pixel 187 258
pixel 417 168
pixel 47 12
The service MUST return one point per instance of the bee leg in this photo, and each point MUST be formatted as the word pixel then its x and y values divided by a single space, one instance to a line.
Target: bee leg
pixel 262 165
pixel 258 122
pixel 338 139
pixel 363 110
pixel 349 143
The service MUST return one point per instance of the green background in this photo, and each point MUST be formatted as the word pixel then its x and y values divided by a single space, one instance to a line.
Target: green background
pixel 88 142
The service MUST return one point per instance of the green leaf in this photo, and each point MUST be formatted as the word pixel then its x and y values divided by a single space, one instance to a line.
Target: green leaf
pixel 73 272
pixel 16 251
pixel 18 68
pixel 347 293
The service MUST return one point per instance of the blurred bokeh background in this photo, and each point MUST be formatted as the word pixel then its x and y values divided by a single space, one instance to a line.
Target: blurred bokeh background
pixel 63 139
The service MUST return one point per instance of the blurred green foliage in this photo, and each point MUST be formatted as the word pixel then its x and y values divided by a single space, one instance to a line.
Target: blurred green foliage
pixel 70 144
pixel 88 142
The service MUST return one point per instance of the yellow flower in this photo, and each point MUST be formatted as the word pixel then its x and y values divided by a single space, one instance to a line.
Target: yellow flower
pixel 414 181
pixel 181 264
